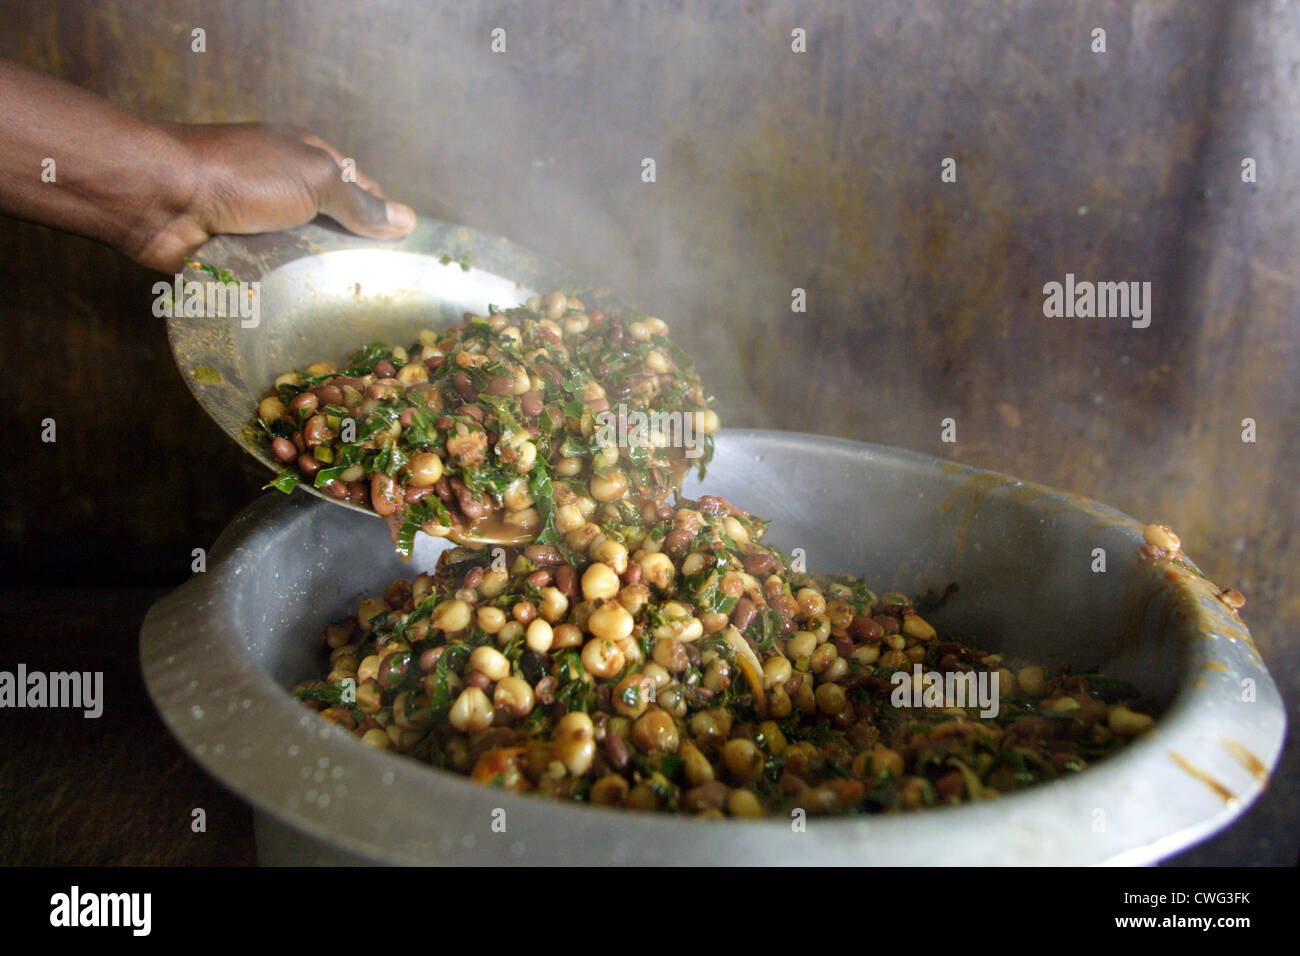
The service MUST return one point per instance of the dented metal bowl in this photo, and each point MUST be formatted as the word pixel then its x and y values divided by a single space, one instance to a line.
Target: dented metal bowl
pixel 220 651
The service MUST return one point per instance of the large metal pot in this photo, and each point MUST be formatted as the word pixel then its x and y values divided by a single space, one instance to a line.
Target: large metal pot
pixel 220 651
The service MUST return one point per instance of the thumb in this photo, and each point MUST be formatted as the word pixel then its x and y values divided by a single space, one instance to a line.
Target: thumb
pixel 364 213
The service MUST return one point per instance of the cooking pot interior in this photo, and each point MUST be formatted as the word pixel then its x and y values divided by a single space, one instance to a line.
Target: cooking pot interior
pixel 1026 562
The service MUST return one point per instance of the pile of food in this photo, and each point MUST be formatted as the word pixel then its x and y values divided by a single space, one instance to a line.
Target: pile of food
pixel 464 433
pixel 618 646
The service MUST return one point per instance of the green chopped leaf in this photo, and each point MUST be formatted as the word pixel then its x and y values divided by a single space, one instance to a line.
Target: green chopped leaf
pixel 390 461
pixel 670 765
pixel 539 486
pixel 329 475
pixel 503 409
pixel 768 623
pixel 366 358
pixel 464 260
pixel 224 276
pixel 285 481
pixel 427 509
pixel 381 420
pixel 453 660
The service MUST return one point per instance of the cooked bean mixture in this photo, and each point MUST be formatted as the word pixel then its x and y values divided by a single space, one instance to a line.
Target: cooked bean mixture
pixel 511 427
pixel 667 659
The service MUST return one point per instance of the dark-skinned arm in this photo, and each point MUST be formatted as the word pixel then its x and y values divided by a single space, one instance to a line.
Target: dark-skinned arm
pixel 157 191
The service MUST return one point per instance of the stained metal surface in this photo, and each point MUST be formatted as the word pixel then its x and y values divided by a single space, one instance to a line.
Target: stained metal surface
pixel 219 652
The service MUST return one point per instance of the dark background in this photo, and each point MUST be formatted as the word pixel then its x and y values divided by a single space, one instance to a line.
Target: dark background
pixel 775 170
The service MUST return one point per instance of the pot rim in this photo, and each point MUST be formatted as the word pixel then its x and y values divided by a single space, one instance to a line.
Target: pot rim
pixel 1207 760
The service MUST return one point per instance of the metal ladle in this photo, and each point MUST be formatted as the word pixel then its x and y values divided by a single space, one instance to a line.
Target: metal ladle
pixel 277 301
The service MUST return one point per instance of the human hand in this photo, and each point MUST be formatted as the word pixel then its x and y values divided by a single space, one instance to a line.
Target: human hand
pixel 255 177
pixel 158 191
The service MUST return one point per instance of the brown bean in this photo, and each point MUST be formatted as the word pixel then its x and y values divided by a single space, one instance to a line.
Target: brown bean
pixel 706 796
pixel 385 369
pixel 888 623
pixel 299 442
pixel 678 539
pixel 401 593
pixel 543 554
pixel 308 465
pixel 435 362
pixel 407 416
pixel 329 394
pixel 358 492
pixel 713 505
pixel 337 489
pixel 414 493
pixel 950 785
pixel 284 449
pixel 392 669
pixel 472 507
pixel 532 403
pixel 473 411
pixel 540 578
pixel 865 629
pixel 474 578
pixel 566 579
pixel 464 386
pixel 304 403
pixel 478 679
pixel 844 645
pixel 743 614
pixel 599 405
pixel 533 666
pixel 317 431
pixel 384 388
pixel 950 662
pixel 633 573
pixel 500 385
pixel 384 494
pixel 429 659
pixel 760 562
pixel 545 690
pixel 616 751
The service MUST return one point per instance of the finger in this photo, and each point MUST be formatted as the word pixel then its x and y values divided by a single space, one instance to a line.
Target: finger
pixel 365 182
pixel 369 185
pixel 363 212
pixel 169 251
